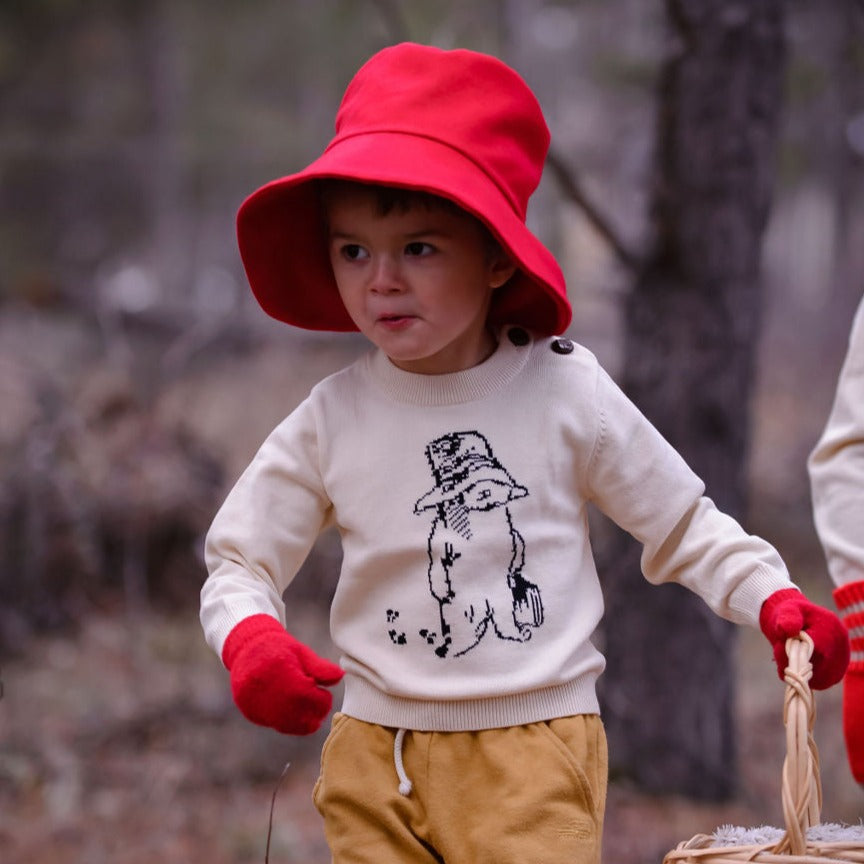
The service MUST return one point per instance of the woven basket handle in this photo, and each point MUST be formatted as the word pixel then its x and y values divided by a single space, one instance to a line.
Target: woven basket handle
pixel 801 788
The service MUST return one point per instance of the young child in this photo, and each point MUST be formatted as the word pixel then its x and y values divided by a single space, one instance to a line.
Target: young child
pixel 837 483
pixel 457 460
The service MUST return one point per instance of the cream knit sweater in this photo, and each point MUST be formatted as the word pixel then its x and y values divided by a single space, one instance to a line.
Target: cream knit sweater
pixel 468 593
pixel 836 468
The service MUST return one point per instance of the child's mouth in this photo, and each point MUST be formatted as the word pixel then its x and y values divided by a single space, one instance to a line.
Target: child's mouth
pixel 395 321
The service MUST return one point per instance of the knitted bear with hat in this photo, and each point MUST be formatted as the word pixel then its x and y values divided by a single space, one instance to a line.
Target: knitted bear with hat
pixel 464 128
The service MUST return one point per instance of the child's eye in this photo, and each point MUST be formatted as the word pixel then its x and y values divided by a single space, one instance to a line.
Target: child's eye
pixel 419 248
pixel 353 252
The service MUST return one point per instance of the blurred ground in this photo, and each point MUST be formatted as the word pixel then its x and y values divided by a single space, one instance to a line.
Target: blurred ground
pixel 123 746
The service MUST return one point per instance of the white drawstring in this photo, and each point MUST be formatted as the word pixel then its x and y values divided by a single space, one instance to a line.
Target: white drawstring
pixel 405 785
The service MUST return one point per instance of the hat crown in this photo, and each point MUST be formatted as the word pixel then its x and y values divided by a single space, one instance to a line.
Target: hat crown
pixel 454 457
pixel 470 102
pixel 458 124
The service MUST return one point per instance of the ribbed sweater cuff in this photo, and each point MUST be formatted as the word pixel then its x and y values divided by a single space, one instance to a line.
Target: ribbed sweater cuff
pixel 850 604
pixel 849 596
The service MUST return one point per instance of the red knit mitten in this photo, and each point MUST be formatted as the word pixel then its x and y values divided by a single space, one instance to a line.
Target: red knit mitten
pixel 275 680
pixel 850 601
pixel 785 614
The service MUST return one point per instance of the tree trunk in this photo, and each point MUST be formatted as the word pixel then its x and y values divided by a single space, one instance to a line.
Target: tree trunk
pixel 691 326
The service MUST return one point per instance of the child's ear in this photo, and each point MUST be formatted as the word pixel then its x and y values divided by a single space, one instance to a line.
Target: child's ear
pixel 501 268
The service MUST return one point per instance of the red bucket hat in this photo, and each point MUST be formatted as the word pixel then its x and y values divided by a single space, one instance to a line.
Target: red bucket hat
pixel 458 124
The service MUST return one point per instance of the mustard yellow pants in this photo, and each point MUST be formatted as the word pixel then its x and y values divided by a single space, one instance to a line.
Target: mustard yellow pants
pixel 532 794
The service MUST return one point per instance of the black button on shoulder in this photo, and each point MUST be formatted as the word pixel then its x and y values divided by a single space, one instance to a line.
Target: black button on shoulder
pixel 518 336
pixel 562 346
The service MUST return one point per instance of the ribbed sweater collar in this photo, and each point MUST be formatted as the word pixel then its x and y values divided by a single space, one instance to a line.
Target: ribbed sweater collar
pixel 469 385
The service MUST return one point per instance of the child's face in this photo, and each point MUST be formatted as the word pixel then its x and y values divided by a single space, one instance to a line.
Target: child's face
pixel 417 283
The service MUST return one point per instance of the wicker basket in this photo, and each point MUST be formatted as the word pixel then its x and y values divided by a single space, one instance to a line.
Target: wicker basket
pixel 801 842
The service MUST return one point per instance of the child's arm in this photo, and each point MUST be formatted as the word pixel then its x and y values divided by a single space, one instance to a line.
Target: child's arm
pixel 256 544
pixel 644 485
pixel 836 468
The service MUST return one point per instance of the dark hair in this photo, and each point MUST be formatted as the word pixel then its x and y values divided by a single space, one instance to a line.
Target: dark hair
pixel 400 199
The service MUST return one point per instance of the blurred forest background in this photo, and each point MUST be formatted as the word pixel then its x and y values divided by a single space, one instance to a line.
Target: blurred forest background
pixel 138 376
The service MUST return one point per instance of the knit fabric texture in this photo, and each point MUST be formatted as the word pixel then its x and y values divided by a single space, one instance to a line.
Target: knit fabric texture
pixel 468 593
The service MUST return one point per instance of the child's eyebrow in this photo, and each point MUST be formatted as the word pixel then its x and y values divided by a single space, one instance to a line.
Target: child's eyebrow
pixel 426 232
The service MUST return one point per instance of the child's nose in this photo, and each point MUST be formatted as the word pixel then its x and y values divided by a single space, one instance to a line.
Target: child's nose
pixel 386 278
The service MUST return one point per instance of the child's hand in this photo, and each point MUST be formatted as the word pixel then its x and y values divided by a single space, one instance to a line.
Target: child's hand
pixel 785 614
pixel 850 601
pixel 275 680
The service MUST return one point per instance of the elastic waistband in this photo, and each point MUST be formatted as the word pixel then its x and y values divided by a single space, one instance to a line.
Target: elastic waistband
pixel 364 701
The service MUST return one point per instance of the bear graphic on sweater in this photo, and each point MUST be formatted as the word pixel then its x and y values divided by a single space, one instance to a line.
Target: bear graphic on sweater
pixel 476 555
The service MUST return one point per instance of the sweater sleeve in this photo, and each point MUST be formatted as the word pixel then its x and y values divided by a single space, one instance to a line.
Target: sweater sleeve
pixel 265 529
pixel 643 484
pixel 836 468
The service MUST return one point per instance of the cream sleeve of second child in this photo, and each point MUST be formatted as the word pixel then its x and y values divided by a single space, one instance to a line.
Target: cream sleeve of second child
pixel 836 468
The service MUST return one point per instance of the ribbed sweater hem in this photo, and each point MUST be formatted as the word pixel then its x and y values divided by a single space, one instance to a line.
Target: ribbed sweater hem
pixel 364 701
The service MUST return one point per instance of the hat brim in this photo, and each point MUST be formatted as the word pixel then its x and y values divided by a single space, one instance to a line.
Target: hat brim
pixel 283 244
pixel 509 490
